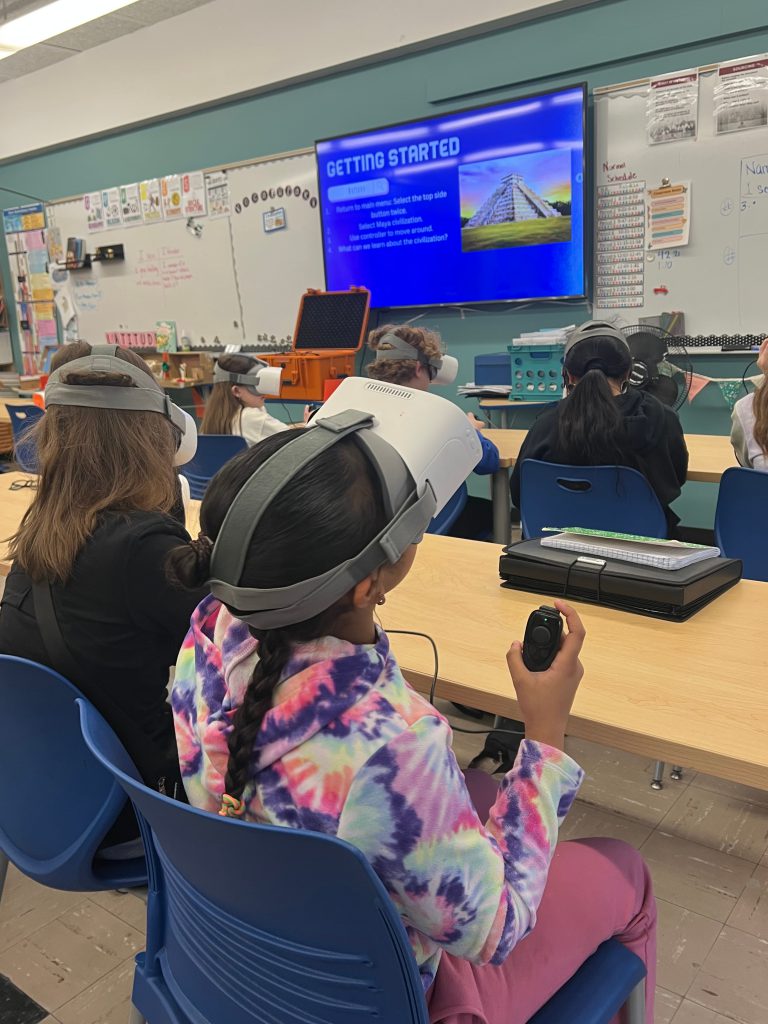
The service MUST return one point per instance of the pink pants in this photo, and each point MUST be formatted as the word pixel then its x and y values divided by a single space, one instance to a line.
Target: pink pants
pixel 597 889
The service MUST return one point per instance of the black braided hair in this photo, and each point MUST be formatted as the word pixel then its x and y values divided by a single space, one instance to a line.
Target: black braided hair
pixel 323 516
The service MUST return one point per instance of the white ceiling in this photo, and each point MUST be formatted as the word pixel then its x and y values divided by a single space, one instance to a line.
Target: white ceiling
pixel 94 33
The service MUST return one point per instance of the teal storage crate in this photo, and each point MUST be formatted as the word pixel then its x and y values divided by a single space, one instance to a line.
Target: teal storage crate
pixel 537 372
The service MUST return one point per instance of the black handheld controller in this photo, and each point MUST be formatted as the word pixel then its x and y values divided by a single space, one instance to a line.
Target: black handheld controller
pixel 542 638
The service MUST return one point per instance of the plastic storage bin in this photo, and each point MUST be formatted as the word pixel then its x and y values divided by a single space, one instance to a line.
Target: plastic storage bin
pixel 536 372
pixel 494 368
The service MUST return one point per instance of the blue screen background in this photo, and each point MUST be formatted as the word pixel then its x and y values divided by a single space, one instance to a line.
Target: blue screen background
pixel 433 268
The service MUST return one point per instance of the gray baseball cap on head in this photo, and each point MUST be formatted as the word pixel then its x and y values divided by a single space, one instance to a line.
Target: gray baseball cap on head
pixel 594 329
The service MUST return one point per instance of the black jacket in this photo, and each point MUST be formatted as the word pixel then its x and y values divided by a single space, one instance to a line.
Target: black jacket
pixel 655 445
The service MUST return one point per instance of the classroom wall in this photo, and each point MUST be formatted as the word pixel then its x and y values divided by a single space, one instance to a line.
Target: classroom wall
pixel 604 43
pixel 224 49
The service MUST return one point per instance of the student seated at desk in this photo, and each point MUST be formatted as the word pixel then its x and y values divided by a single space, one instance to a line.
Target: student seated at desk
pixel 749 430
pixel 291 710
pixel 90 548
pixel 411 356
pixel 237 408
pixel 604 421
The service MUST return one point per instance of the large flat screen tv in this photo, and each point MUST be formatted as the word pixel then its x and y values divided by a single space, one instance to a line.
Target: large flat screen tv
pixel 481 205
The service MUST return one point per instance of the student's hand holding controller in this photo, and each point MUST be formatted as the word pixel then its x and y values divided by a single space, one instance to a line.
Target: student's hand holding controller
pixel 546 698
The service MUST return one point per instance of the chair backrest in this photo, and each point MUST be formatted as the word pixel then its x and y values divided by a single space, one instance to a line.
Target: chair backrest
pixel 613 498
pixel 57 803
pixel 445 519
pixel 213 450
pixel 250 923
pixel 23 418
pixel 739 532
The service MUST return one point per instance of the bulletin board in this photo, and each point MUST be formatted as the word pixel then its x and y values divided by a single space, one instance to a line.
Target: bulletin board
pixel 227 279
pixel 718 279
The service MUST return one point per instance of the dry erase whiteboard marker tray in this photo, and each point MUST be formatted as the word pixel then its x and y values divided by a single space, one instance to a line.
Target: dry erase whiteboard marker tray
pixel 674 595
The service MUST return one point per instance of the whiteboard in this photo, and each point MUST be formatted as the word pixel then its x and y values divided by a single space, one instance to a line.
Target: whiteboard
pixel 717 280
pixel 232 283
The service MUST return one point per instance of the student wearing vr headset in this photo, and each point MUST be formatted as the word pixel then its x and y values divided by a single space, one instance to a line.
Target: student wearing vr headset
pixel 749 422
pixel 414 357
pixel 87 593
pixel 236 404
pixel 290 709
pixel 605 421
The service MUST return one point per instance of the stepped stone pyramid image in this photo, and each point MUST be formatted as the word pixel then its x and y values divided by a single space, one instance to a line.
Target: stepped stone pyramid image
pixel 513 200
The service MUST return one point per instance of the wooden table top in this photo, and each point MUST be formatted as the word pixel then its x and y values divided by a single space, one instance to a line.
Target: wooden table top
pixel 691 693
pixel 710 454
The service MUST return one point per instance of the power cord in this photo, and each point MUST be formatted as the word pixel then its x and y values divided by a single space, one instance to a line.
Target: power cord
pixel 433 686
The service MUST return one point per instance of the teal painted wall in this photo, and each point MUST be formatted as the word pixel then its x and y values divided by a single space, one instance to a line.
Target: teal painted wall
pixel 611 41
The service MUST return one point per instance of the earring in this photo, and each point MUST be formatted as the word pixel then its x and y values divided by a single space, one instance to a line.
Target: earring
pixel 382 600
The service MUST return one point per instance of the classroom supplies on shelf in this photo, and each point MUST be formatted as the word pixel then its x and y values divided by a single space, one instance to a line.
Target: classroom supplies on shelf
pixel 330 330
pixel 659 554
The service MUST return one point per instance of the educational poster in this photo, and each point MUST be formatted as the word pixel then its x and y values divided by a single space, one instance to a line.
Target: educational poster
pixel 668 216
pixel 130 203
pixel 193 200
pixel 151 206
pixel 94 211
pixel 741 95
pixel 217 194
pixel 673 107
pixel 110 200
pixel 170 189
pixel 619 255
pixel 27 248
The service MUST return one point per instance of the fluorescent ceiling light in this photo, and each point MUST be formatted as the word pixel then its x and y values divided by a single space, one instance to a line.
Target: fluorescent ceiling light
pixel 51 20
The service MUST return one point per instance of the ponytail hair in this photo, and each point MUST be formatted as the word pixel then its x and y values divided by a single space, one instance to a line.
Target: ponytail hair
pixel 760 409
pixel 591 428
pixel 339 494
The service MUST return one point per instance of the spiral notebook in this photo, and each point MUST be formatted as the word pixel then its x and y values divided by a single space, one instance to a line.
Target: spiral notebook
pixel 660 554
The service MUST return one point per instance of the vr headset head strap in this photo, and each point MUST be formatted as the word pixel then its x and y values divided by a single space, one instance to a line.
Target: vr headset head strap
pixel 249 379
pixel 400 349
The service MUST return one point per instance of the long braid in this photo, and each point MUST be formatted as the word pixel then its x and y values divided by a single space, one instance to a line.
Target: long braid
pixel 274 652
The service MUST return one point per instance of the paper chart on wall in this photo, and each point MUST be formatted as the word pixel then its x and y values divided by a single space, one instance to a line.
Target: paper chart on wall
pixel 170 188
pixel 130 201
pixel 741 95
pixel 110 201
pixel 193 197
pixel 94 210
pixel 217 194
pixel 151 205
pixel 619 256
pixel 668 216
pixel 673 105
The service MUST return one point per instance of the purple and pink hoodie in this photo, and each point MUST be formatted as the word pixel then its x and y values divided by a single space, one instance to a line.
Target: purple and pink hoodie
pixel 350 749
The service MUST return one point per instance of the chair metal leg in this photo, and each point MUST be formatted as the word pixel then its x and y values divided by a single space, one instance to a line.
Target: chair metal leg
pixel 676 773
pixel 635 1005
pixel 138 1018
pixel 3 872
pixel 657 782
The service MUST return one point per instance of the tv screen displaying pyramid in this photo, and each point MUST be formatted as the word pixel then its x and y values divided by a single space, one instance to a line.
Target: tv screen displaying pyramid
pixel 513 201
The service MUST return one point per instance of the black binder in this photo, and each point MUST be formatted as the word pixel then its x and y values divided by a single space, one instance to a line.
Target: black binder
pixel 675 594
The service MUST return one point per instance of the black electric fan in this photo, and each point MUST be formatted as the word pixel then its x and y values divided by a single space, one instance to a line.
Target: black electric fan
pixel 661 365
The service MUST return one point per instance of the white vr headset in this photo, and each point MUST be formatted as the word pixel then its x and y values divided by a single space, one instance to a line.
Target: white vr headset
pixel 442 369
pixel 261 379
pixel 422 448
pixel 146 396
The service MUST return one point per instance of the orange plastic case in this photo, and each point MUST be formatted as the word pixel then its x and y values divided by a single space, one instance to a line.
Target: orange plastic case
pixel 330 330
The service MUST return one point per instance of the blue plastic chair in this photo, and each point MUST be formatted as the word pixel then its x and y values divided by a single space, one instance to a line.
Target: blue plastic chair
pixel 444 520
pixel 611 498
pixel 241 932
pixel 739 533
pixel 56 802
pixel 23 418
pixel 213 450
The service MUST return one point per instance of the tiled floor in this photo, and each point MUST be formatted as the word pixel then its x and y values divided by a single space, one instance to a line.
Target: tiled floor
pixel 706 842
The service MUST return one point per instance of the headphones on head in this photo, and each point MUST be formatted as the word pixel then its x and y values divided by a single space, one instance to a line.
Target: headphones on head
pixel 442 369
pixel 146 396
pixel 590 330
pixel 261 379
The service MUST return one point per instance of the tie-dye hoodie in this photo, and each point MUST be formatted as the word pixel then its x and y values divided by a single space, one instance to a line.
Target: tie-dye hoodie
pixel 350 750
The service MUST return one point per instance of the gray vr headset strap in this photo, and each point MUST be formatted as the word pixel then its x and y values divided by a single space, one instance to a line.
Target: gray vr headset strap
pixel 249 379
pixel 257 493
pixel 146 396
pixel 400 349
pixel 284 606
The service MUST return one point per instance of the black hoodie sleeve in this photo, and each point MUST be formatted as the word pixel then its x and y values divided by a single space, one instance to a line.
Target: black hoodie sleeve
pixel 678 451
